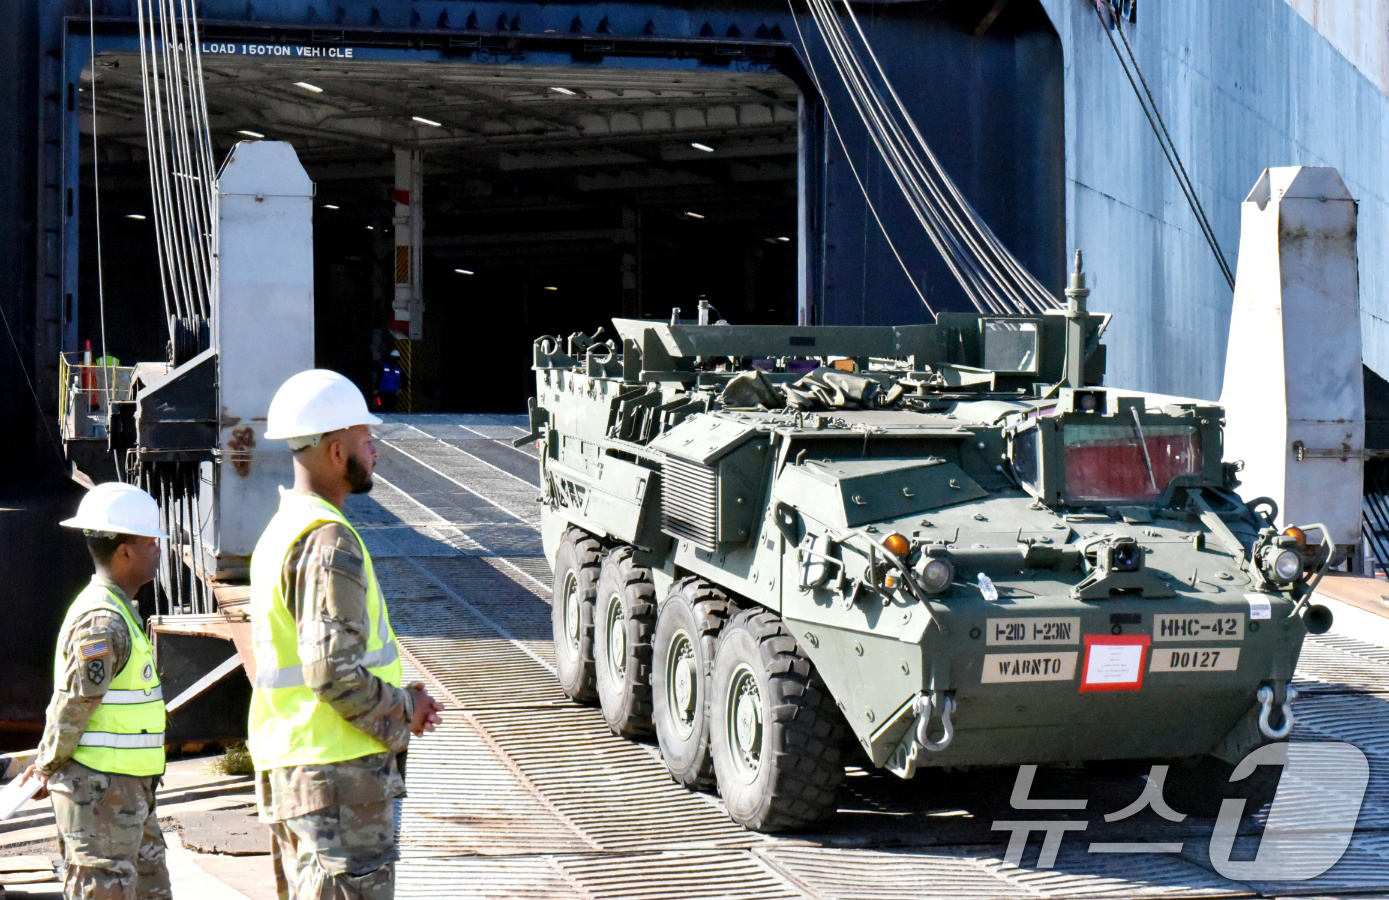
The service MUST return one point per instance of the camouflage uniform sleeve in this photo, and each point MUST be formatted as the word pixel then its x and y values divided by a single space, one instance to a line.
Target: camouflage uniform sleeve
pixel 327 592
pixel 84 683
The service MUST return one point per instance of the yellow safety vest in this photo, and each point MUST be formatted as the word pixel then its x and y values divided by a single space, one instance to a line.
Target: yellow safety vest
pixel 289 725
pixel 125 735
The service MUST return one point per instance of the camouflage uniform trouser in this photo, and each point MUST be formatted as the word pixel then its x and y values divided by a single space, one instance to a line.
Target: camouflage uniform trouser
pixel 109 834
pixel 339 853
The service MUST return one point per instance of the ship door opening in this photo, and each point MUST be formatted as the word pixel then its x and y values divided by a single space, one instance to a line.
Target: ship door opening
pixel 554 199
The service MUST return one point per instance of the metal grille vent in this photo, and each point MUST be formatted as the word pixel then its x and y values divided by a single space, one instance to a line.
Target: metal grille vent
pixel 690 502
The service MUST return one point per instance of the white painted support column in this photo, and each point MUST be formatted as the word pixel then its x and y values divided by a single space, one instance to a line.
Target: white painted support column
pixel 262 328
pixel 408 305
pixel 1294 388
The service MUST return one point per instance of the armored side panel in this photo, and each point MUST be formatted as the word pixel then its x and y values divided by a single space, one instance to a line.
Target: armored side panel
pixel 713 478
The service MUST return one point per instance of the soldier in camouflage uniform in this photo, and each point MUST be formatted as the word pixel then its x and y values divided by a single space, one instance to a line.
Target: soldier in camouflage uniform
pixel 103 745
pixel 329 720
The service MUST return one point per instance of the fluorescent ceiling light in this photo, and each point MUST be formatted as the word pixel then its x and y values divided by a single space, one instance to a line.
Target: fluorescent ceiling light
pixel 371 228
pixel 250 134
pixel 464 271
pixel 692 215
pixel 698 146
pixel 784 239
pixel 565 91
pixel 309 87
pixel 551 287
pixel 330 206
pixel 136 216
pixel 430 122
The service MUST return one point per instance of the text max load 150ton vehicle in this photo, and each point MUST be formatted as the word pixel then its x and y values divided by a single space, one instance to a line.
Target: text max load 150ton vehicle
pixel 944 543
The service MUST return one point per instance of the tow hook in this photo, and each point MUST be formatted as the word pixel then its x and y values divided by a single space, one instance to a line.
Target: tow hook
pixel 1265 697
pixel 924 706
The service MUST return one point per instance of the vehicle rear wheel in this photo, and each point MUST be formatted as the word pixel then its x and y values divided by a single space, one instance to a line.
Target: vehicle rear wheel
pixel 687 633
pixel 571 614
pixel 1197 786
pixel 774 730
pixel 624 619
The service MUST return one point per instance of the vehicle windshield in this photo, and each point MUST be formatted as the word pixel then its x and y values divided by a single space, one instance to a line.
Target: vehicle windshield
pixel 1010 346
pixel 1107 462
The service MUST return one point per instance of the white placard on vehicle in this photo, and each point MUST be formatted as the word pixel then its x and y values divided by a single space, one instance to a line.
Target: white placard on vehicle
pixel 1259 607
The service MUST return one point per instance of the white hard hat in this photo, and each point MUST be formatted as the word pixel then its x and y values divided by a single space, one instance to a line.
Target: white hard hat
pixel 118 508
pixel 316 402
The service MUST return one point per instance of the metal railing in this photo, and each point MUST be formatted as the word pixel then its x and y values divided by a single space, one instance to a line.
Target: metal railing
pixel 86 392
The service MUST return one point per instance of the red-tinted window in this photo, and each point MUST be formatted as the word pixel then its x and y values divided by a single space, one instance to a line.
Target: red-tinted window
pixel 1106 462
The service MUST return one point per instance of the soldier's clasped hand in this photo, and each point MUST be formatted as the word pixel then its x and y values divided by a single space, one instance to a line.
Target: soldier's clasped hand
pixel 427 709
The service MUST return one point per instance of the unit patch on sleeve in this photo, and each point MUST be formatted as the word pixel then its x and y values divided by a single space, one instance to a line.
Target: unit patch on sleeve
pixel 96 671
pixel 94 649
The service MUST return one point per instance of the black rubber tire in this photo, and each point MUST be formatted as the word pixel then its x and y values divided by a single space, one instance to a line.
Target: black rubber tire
pixel 793 782
pixel 690 620
pixel 578 558
pixel 1198 786
pixel 626 600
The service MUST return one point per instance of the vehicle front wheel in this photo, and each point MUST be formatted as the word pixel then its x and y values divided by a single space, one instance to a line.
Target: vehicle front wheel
pixel 624 617
pixel 774 730
pixel 571 613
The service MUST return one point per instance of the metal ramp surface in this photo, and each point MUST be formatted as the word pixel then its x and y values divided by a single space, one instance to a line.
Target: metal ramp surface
pixel 523 793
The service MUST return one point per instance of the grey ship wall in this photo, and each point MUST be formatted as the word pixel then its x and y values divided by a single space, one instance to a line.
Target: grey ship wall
pixel 1243 86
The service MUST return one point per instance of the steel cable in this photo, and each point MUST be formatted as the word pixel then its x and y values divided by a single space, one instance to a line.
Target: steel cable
pixel 1148 104
pixel 992 278
pixel 193 225
pixel 1040 295
pixel 834 126
pixel 107 387
pixel 182 187
pixel 967 224
pixel 945 237
pixel 164 274
pixel 174 130
pixel 165 229
pixel 888 138
pixel 939 238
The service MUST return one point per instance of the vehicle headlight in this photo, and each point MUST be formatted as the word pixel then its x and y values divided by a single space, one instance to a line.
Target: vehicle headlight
pixel 1125 555
pixel 1281 565
pixel 936 573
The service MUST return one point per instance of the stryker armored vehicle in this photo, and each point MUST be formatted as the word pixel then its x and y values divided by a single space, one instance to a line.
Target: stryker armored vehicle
pixel 945 543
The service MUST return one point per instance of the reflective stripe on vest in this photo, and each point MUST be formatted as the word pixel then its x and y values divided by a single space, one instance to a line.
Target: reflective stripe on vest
pixel 293 676
pixel 122 698
pixel 125 734
pixel 288 724
pixel 121 741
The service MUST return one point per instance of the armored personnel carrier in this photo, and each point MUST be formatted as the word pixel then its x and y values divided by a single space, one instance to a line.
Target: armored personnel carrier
pixel 946 545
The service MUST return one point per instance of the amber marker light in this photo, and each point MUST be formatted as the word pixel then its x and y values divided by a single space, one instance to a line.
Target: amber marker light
pixel 1296 534
pixel 897 544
